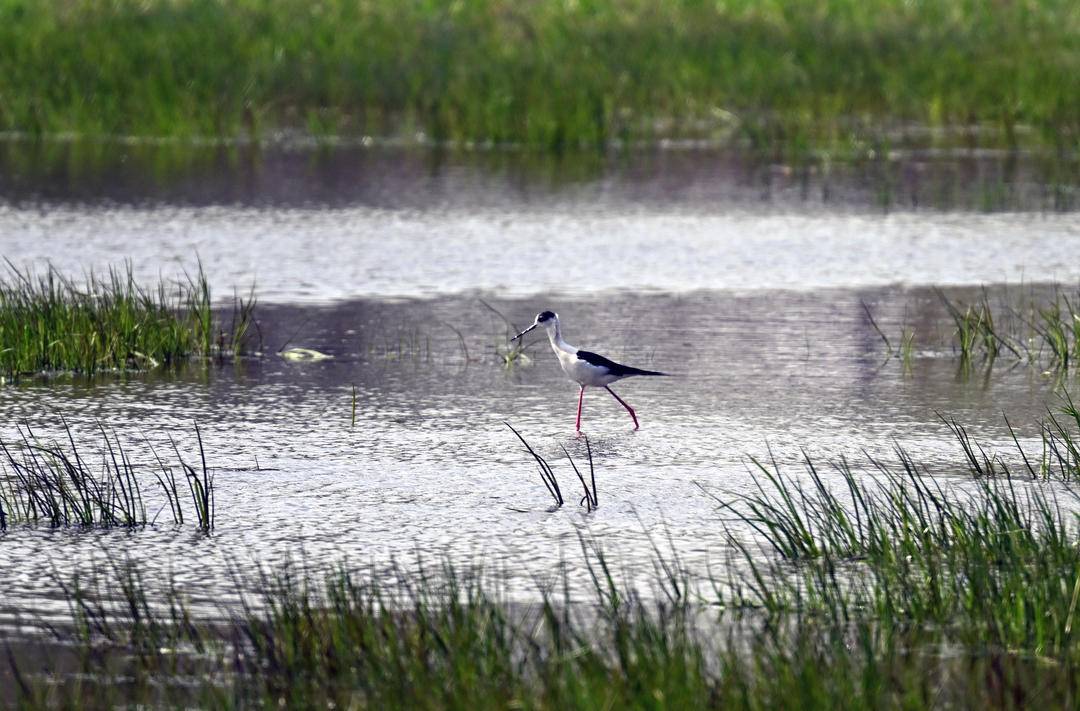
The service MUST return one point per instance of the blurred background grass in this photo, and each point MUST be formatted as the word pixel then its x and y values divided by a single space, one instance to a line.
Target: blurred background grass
pixel 825 74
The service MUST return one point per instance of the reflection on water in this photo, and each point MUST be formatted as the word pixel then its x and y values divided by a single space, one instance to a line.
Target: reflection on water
pixel 318 226
pixel 430 468
pixel 119 173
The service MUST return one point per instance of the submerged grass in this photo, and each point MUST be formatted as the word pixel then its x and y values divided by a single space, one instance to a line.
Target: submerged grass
pixel 552 75
pixel 52 323
pixel 889 589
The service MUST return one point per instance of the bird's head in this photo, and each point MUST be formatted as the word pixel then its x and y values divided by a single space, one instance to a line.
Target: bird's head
pixel 547 320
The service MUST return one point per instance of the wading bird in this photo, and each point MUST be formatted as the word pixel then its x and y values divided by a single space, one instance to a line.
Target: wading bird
pixel 584 368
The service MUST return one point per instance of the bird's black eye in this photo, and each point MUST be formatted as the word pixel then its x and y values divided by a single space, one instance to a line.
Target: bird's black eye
pixel 545 316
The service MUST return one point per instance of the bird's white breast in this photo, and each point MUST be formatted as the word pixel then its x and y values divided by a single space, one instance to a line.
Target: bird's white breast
pixel 583 373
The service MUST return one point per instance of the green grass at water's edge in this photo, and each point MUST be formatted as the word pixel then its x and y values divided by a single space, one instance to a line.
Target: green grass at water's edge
pixel 898 590
pixel 550 75
pixel 51 323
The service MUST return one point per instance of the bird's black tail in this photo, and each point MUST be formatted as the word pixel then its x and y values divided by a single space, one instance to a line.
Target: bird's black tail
pixel 639 371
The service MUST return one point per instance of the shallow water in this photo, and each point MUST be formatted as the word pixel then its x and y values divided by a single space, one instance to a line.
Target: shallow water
pixel 429 467
pixel 755 309
pixel 311 227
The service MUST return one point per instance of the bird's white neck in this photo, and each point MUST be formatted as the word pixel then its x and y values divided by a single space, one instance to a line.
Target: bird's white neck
pixel 554 334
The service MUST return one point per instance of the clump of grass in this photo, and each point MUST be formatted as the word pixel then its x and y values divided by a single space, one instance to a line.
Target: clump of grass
pixel 445 640
pixel 989 564
pixel 1034 329
pixel 975 332
pixel 51 323
pixel 1058 325
pixel 959 591
pixel 1060 434
pixel 48 482
pixel 200 485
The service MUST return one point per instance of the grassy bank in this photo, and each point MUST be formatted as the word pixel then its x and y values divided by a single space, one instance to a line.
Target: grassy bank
pixel 550 75
pixel 894 589
pixel 51 323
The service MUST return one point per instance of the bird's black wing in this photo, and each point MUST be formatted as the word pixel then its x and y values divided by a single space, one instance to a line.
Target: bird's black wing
pixel 614 368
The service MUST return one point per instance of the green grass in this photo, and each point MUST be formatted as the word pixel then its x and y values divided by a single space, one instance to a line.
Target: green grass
pixel 893 588
pixel 977 579
pixel 1041 329
pixel 44 481
pixel 553 75
pixel 51 323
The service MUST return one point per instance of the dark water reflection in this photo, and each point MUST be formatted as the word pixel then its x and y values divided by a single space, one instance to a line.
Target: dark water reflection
pixel 316 226
pixel 284 176
pixel 429 467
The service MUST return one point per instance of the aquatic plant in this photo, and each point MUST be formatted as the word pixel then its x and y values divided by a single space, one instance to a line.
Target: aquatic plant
pixel 555 75
pixel 50 323
pixel 1057 322
pixel 1040 329
pixel 45 481
pixel 983 573
pixel 974 328
pixel 200 486
pixel 546 474
pixel 1060 435
pixel 891 587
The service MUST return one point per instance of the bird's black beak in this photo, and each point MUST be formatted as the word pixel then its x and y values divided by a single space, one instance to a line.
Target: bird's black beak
pixel 523 332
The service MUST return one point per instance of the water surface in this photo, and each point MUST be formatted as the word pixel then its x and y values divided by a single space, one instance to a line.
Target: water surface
pixel 318 226
pixel 745 280
pixel 430 469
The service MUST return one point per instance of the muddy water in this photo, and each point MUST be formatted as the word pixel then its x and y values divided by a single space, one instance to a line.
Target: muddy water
pixel 756 311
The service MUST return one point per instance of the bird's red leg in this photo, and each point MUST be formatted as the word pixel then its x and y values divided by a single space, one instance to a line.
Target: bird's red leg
pixel 581 397
pixel 623 403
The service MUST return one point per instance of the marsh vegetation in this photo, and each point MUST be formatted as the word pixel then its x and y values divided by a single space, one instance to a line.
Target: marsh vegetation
pixel 380 167
pixel 53 322
pixel 51 482
pixel 778 76
pixel 895 586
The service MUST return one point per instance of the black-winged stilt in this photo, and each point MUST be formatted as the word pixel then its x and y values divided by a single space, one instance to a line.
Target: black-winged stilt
pixel 584 368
